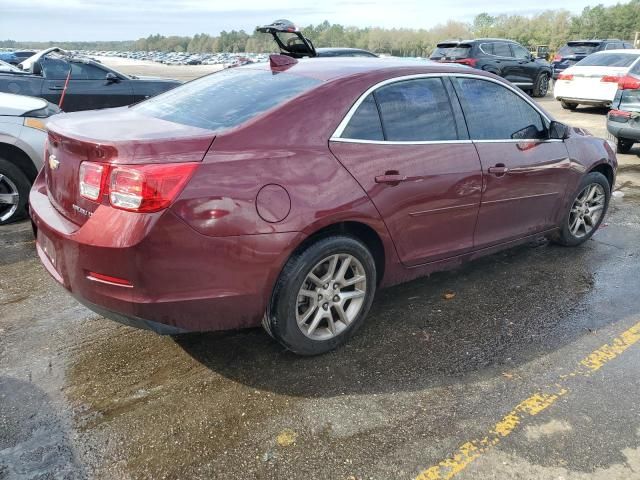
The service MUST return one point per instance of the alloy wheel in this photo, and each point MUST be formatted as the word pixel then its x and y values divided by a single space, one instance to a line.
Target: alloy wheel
pixel 587 210
pixel 544 85
pixel 331 297
pixel 9 198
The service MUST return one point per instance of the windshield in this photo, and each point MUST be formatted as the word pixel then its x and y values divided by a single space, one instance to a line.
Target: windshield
pixel 451 52
pixel 578 49
pixel 608 60
pixel 225 99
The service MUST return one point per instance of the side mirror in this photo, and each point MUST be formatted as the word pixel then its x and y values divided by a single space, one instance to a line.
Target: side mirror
pixel 558 131
pixel 111 78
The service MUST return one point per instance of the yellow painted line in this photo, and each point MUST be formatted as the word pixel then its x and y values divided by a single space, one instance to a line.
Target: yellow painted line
pixel 536 403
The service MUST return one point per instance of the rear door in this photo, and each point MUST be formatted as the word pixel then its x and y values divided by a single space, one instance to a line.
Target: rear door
pixel 526 70
pixel 526 175
pixel 406 144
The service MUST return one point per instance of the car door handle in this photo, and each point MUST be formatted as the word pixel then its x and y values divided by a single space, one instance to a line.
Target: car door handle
pixel 391 177
pixel 499 170
pixel 56 87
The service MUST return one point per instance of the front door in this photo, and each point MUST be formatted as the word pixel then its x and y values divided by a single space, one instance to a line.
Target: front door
pixel 526 174
pixel 406 145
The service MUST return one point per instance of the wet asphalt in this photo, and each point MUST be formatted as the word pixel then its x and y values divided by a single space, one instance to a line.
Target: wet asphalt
pixel 439 364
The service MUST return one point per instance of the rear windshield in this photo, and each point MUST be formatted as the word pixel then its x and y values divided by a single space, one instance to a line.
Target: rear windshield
pixel 451 53
pixel 608 60
pixel 225 99
pixel 630 100
pixel 577 48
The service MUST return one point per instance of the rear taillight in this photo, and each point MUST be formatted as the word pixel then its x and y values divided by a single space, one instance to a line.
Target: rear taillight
pixel 629 83
pixel 137 188
pixel 92 177
pixel 565 76
pixel 619 116
pixel 148 188
pixel 467 61
pixel 610 79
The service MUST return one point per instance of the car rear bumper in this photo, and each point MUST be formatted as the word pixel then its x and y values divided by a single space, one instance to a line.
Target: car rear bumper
pixel 178 279
pixel 624 130
pixel 585 101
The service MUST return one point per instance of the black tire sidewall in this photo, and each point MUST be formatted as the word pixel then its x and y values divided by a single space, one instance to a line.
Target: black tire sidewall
pixel 565 236
pixel 537 86
pixel 282 315
pixel 568 105
pixel 23 185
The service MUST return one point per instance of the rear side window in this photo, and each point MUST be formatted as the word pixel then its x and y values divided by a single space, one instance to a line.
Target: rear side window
pixel 494 112
pixel 416 110
pixel 487 48
pixel 501 49
pixel 608 60
pixel 365 123
pixel 226 99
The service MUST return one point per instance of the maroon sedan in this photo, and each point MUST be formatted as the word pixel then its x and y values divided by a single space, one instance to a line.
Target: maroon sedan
pixel 288 193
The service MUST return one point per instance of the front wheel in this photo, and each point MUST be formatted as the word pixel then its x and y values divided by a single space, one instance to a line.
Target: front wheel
pixel 322 296
pixel 586 211
pixel 541 87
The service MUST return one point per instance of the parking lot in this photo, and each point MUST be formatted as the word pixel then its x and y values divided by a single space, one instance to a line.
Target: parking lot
pixel 520 365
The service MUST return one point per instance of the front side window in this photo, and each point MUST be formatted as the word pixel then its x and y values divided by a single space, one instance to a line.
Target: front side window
pixel 520 53
pixel 416 110
pixel 494 112
pixel 365 123
pixel 226 99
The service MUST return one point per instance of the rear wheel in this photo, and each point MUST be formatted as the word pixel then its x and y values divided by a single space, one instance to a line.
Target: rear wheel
pixel 568 105
pixel 322 296
pixel 586 211
pixel 541 87
pixel 14 192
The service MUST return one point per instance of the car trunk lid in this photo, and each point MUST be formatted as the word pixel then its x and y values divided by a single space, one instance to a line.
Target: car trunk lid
pixel 120 137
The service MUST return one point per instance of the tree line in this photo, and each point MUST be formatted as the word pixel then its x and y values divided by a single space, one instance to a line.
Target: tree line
pixel 551 27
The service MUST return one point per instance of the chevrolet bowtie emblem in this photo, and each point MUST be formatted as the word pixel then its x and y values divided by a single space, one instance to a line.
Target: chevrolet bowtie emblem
pixel 53 162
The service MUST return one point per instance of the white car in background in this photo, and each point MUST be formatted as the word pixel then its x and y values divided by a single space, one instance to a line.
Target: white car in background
pixel 594 79
pixel 22 136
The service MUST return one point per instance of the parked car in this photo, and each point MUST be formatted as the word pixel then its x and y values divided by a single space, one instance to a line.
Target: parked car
pixel 22 137
pixel 7 67
pixel 176 216
pixel 623 120
pixel 576 50
pixel 505 58
pixel 594 79
pixel 293 43
pixel 14 58
pixel 91 84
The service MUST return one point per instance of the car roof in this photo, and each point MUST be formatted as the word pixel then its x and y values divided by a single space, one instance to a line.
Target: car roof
pixel 16 105
pixel 325 69
pixel 635 51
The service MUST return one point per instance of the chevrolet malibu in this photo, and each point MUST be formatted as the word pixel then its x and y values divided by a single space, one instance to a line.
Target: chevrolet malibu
pixel 287 193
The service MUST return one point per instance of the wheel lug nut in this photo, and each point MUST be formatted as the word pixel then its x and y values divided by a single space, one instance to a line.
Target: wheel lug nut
pixel 326 285
pixel 325 306
pixel 336 298
pixel 336 286
pixel 319 297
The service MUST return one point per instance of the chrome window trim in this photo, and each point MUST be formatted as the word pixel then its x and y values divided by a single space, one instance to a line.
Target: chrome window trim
pixel 337 134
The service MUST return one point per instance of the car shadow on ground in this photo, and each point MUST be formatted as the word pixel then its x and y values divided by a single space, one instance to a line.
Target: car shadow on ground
pixel 506 310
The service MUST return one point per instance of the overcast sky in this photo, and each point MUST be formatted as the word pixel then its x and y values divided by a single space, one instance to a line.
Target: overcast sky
pixel 42 20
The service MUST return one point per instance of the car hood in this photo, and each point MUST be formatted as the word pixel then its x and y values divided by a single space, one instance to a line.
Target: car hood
pixel 128 137
pixel 17 105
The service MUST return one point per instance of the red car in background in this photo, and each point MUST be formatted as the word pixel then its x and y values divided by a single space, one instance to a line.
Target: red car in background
pixel 288 193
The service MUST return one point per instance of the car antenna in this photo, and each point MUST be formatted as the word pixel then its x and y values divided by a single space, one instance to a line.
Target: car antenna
pixel 64 90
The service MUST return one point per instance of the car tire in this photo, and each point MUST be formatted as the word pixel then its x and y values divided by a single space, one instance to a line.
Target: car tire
pixel 568 105
pixel 580 204
pixel 622 145
pixel 541 87
pixel 13 182
pixel 337 313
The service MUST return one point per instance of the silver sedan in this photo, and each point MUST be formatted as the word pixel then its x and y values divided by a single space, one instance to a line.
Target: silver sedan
pixel 22 137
